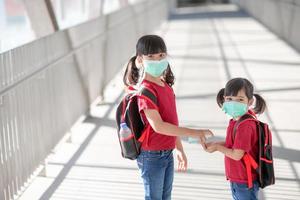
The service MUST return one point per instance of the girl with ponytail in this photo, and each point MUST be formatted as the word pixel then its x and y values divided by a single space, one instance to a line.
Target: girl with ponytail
pixel 238 100
pixel 150 68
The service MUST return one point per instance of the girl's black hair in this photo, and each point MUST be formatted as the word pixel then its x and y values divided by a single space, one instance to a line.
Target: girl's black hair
pixel 147 44
pixel 234 86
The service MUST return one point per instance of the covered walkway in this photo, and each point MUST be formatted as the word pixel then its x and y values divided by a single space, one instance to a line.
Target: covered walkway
pixel 207 46
pixel 74 74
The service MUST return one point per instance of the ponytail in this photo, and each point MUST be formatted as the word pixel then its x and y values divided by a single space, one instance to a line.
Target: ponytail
pixel 131 75
pixel 220 97
pixel 169 76
pixel 260 104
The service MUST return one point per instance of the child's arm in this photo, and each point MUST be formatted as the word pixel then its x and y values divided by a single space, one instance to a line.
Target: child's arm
pixel 179 146
pixel 181 157
pixel 235 154
pixel 166 128
pixel 219 142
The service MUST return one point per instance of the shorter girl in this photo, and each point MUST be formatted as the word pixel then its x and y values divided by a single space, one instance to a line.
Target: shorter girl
pixel 235 100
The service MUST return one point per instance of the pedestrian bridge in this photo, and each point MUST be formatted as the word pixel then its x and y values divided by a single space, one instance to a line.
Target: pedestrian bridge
pixel 58 96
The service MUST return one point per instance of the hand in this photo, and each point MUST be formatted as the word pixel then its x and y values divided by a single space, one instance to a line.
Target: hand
pixel 203 135
pixel 211 147
pixel 182 161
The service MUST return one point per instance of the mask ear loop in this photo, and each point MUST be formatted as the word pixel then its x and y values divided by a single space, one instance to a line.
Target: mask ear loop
pixel 141 74
pixel 252 106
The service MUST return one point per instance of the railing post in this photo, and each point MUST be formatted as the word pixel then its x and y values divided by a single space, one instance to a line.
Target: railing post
pixel 42 23
pixel 104 60
pixel 69 136
pixel 172 6
pixel 2 170
pixel 1 100
pixel 52 15
pixel 43 172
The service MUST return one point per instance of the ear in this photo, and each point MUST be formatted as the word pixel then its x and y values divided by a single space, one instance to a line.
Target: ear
pixel 251 102
pixel 139 61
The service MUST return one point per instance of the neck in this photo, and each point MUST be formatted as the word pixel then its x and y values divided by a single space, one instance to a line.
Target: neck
pixel 153 79
pixel 236 119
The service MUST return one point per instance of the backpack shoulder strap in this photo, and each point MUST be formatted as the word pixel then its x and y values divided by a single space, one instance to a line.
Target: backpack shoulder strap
pixel 122 107
pixel 148 94
pixel 250 163
pixel 244 118
pixel 247 158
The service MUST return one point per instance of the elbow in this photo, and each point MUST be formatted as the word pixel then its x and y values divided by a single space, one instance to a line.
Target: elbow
pixel 238 157
pixel 237 154
pixel 157 127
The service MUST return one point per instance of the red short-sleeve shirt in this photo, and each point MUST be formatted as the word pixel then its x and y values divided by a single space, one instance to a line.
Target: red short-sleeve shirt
pixel 168 113
pixel 246 139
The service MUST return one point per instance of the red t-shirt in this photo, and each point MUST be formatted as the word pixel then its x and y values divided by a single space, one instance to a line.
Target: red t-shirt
pixel 167 110
pixel 246 139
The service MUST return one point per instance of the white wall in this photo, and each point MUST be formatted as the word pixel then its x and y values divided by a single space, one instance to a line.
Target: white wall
pixel 280 16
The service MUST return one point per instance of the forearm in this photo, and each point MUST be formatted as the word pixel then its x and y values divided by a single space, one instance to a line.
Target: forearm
pixel 231 153
pixel 179 145
pixel 221 143
pixel 173 130
pixel 166 128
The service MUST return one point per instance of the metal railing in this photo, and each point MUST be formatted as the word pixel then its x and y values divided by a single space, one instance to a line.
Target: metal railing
pixel 46 85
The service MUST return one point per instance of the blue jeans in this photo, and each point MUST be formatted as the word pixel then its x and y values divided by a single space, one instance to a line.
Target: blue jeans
pixel 157 172
pixel 241 192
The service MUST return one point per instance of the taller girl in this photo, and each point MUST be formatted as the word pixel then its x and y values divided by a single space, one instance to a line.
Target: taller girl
pixel 151 67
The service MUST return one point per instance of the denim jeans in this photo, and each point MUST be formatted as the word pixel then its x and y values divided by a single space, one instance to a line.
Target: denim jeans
pixel 242 192
pixel 157 172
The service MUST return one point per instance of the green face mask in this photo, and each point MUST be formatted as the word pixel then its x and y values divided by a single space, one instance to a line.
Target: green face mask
pixel 234 109
pixel 155 67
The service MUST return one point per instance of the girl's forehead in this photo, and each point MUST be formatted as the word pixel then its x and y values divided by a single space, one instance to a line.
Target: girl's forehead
pixel 240 93
pixel 155 54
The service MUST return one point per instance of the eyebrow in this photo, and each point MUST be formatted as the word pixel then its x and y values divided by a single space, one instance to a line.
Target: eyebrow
pixel 236 96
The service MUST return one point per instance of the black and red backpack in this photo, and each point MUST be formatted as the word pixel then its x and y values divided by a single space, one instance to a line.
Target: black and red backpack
pixel 128 115
pixel 265 165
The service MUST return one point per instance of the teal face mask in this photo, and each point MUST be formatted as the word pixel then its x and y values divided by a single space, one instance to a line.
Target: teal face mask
pixel 155 67
pixel 234 109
